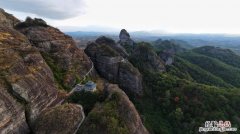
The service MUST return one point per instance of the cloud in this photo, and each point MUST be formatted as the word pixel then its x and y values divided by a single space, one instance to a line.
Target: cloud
pixel 53 9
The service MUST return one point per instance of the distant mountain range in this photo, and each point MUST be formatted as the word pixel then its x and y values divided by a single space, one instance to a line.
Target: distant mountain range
pixel 195 40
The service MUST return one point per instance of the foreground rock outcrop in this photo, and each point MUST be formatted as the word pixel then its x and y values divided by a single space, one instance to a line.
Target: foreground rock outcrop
pixel 68 63
pixel 27 83
pixel 63 119
pixel 110 64
pixel 116 114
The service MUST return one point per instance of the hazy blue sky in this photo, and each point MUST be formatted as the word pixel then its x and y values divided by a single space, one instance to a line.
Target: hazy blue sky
pixel 177 16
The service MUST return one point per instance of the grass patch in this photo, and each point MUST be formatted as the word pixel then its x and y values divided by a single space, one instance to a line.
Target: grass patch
pixel 58 73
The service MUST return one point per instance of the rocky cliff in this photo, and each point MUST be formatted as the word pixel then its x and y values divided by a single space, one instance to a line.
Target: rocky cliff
pixel 110 64
pixel 68 63
pixel 27 83
pixel 37 61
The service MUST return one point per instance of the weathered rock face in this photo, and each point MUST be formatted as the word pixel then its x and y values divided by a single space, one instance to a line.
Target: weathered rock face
pixel 116 114
pixel 112 66
pixel 63 119
pixel 59 50
pixel 29 82
pixel 7 19
pixel 148 58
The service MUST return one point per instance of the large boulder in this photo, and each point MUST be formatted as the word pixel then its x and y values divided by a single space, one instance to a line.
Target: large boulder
pixel 69 63
pixel 116 114
pixel 112 66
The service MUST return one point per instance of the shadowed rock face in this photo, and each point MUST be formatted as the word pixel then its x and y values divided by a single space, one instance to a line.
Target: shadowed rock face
pixel 63 119
pixel 116 114
pixel 112 66
pixel 7 19
pixel 27 83
pixel 58 49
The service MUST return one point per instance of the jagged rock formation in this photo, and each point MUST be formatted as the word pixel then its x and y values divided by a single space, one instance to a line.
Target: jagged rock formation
pixel 116 114
pixel 125 38
pixel 64 119
pixel 68 63
pixel 7 19
pixel 112 66
pixel 126 41
pixel 149 59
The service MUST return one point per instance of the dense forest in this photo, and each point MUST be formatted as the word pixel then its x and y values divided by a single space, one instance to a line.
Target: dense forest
pixel 202 84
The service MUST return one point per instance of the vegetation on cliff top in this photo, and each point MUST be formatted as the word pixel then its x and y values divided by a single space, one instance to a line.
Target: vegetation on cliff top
pixel 105 118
